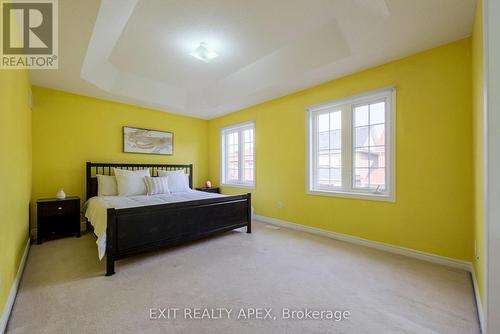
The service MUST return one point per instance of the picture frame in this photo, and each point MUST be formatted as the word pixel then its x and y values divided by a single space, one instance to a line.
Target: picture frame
pixel 147 141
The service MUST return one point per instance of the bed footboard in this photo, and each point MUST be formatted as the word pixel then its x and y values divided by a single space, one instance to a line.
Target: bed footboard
pixel 136 230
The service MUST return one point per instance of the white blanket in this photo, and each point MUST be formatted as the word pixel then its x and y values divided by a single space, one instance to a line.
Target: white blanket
pixel 96 209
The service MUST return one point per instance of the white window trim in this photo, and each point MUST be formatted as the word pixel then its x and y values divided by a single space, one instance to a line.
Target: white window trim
pixel 233 184
pixel 390 194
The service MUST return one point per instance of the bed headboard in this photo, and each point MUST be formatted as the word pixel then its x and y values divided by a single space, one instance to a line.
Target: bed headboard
pixel 94 168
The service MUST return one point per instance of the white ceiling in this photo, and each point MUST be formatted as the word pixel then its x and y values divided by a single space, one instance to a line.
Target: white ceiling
pixel 137 51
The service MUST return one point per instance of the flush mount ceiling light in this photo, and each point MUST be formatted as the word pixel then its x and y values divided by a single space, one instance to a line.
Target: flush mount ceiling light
pixel 204 53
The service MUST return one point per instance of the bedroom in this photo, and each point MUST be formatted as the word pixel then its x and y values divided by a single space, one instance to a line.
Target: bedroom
pixel 211 160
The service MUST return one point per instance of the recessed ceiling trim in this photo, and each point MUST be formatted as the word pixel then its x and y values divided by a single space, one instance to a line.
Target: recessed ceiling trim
pixel 111 20
pixel 139 50
pixel 96 69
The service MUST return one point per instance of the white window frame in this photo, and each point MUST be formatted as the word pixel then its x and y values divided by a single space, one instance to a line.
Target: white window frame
pixel 346 106
pixel 240 128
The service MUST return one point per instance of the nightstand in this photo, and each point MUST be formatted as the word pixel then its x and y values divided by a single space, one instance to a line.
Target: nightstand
pixel 215 190
pixel 57 217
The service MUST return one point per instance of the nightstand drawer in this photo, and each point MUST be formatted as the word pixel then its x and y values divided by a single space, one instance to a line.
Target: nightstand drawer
pixel 215 190
pixel 59 208
pixel 59 226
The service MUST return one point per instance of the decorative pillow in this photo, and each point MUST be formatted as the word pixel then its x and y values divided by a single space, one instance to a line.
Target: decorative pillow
pixel 131 183
pixel 177 180
pixel 106 185
pixel 156 185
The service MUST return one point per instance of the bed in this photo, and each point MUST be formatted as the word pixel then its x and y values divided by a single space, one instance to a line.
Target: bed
pixel 126 226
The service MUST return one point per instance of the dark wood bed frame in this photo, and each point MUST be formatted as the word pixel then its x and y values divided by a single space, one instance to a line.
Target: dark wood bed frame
pixel 136 230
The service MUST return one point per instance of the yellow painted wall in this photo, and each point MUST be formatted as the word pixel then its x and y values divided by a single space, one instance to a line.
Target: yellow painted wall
pixel 15 166
pixel 69 130
pixel 433 211
pixel 478 140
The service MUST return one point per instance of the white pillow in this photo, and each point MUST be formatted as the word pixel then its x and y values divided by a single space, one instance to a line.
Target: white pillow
pixel 156 185
pixel 177 180
pixel 106 185
pixel 131 183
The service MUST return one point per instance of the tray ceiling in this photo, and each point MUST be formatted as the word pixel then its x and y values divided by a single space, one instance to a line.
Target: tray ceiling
pixel 137 51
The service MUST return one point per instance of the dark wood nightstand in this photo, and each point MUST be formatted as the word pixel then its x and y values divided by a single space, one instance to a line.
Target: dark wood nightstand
pixel 57 217
pixel 215 190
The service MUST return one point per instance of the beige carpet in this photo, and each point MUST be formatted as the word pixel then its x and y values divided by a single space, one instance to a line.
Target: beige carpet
pixel 64 291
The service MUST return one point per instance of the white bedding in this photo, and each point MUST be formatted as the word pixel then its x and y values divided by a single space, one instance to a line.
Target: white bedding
pixel 96 209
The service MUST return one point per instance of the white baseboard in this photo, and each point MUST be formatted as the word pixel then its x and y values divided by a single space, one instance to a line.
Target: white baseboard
pixel 479 304
pixel 13 290
pixel 446 261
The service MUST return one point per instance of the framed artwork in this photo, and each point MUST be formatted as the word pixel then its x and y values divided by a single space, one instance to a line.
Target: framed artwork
pixel 137 140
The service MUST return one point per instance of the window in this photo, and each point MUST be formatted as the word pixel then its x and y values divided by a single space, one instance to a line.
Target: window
pixel 351 147
pixel 238 155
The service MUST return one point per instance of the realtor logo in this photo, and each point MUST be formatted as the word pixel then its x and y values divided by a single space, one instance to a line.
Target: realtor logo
pixel 29 34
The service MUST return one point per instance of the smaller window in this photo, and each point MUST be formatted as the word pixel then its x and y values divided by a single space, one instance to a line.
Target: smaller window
pixel 238 155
